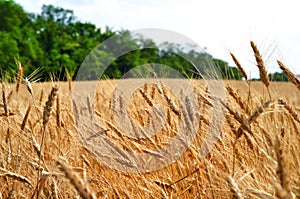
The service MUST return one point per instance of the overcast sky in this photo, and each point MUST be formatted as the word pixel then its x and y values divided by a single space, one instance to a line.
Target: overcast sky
pixel 219 25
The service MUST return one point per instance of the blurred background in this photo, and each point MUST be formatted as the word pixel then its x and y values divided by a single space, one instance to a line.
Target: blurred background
pixel 219 27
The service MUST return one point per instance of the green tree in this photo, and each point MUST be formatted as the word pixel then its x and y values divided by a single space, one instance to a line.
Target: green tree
pixel 56 42
pixel 227 71
pixel 65 41
pixel 53 33
pixel 8 49
pixel 278 77
pixel 18 38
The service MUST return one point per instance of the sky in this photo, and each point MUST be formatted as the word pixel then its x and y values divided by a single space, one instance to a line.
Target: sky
pixel 220 26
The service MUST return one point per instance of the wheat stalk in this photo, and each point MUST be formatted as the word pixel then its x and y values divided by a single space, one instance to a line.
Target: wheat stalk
pixel 153 91
pixel 36 147
pixel 238 99
pixel 263 73
pixel 260 64
pixel 292 77
pixel 15 176
pixel 170 102
pixel 4 100
pixel 41 97
pixel 41 183
pixel 146 88
pixel 240 118
pixel 78 183
pixel 76 112
pixel 20 75
pixel 9 95
pixel 144 94
pixel 54 193
pixel 239 66
pixel 46 115
pixel 258 111
pixel 244 74
pixel 25 117
pixel 58 121
pixel 259 193
pixel 234 188
pixel 28 85
pixel 282 171
pixel 289 109
pixel 49 105
pixel 89 107
pixel 70 83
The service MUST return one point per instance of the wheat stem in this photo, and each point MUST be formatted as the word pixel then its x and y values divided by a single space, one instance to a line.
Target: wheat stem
pixel 46 115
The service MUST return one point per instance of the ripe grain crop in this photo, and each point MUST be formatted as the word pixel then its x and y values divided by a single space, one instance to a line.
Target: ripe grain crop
pixel 256 155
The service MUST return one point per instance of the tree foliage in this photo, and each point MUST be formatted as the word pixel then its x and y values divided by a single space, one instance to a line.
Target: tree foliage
pixel 278 77
pixel 57 42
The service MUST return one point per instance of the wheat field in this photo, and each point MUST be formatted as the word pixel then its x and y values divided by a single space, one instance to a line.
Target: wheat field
pixel 257 154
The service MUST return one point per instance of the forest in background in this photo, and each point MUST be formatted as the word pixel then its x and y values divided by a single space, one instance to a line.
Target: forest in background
pixel 56 43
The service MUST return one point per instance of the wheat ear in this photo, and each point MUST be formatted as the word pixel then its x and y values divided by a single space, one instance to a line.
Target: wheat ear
pixel 25 117
pixel 78 183
pixel 20 75
pixel 263 73
pixel 4 100
pixel 28 85
pixel 58 120
pixel 282 171
pixel 243 105
pixel 234 188
pixel 49 105
pixel 170 102
pixel 292 77
pixel 244 74
pixel 70 83
pixel 46 115
pixel 144 94
pixel 289 109
pixel 239 66
pixel 41 97
pixel 238 117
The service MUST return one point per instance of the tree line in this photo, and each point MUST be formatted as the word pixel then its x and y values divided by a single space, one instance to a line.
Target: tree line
pixel 57 43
